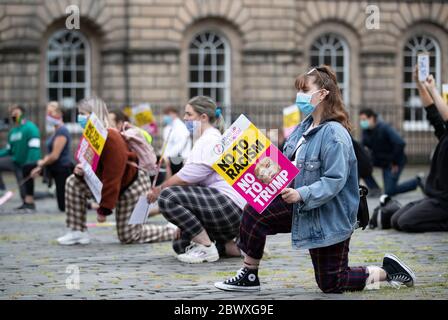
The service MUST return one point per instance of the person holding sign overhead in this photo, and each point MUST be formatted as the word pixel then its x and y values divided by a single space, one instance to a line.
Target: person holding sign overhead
pixel 120 183
pixel 431 212
pixel 197 199
pixel 320 208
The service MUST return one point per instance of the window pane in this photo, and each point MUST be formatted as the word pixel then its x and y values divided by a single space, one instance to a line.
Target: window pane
pixel 407 113
pixel 80 60
pixel 194 76
pixel 67 76
pixel 221 76
pixel 53 94
pixel 193 92
pixel 206 92
pixel 194 59
pixel 207 59
pixel 67 60
pixel 80 94
pixel 207 76
pixel 220 59
pixel 80 76
pixel 54 76
pixel 219 95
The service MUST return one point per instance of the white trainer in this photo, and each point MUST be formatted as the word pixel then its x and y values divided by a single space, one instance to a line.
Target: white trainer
pixel 74 237
pixel 198 253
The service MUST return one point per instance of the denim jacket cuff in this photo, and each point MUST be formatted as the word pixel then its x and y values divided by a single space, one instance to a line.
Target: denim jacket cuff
pixel 304 193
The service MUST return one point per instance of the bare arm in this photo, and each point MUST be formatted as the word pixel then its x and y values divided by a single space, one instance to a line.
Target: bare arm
pixel 438 100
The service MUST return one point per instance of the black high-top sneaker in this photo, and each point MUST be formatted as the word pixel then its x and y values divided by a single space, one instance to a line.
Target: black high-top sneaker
pixel 245 280
pixel 397 272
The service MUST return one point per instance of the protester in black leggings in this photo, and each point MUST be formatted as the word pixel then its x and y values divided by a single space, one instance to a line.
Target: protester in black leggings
pixel 58 160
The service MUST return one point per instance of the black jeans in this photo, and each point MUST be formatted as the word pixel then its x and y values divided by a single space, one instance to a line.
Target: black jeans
pixel 428 214
pixel 60 175
pixel 29 184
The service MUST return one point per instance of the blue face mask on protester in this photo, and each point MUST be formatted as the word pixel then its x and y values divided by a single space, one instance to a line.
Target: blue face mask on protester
pixel 191 125
pixel 303 102
pixel 167 120
pixel 364 124
pixel 82 120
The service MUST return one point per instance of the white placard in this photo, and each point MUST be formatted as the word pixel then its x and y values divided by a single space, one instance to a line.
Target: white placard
pixel 141 211
pixel 94 184
pixel 423 66
pixel 8 195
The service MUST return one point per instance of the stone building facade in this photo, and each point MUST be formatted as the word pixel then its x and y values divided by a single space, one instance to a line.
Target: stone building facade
pixel 238 51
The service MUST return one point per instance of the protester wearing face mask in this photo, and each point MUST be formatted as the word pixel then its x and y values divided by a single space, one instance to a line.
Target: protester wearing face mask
pixel 176 137
pixel 58 160
pixel 122 185
pixel 21 155
pixel 320 208
pixel 197 199
pixel 387 152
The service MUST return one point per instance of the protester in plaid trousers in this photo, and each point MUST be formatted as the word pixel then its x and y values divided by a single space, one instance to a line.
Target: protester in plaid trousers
pixel 320 209
pixel 123 184
pixel 197 200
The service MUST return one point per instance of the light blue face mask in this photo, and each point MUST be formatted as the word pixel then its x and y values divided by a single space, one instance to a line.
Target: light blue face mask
pixel 303 102
pixel 167 120
pixel 82 120
pixel 364 124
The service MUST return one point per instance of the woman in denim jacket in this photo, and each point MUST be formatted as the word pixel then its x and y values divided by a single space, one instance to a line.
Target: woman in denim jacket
pixel 321 209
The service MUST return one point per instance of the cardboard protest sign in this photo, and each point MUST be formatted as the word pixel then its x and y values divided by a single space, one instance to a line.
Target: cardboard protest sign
pixel 423 66
pixel 253 166
pixel 95 185
pixel 92 142
pixel 141 211
pixel 445 92
pixel 291 118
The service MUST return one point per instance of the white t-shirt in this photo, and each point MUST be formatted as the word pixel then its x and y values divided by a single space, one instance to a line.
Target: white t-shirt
pixel 179 142
pixel 299 144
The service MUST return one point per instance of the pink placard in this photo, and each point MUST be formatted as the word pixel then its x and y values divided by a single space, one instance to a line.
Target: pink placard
pixel 266 178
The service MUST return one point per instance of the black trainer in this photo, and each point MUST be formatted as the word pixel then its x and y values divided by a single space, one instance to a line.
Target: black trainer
pixel 397 271
pixel 245 280
pixel 26 208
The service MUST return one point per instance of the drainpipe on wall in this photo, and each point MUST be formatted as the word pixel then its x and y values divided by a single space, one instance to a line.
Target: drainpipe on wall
pixel 126 54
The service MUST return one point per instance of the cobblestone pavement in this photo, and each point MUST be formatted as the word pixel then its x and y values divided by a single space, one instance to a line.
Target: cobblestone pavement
pixel 33 266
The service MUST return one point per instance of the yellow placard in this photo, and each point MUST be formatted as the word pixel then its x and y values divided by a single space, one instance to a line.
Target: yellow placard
pixel 445 92
pixel 143 118
pixel 291 120
pixel 244 151
pixel 94 137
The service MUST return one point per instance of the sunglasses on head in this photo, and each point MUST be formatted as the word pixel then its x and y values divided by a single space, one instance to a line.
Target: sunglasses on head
pixel 318 71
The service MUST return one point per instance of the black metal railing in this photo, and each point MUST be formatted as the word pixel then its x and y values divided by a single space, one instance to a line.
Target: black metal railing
pixel 420 143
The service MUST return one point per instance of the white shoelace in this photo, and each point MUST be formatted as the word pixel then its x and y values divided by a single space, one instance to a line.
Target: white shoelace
pixel 238 276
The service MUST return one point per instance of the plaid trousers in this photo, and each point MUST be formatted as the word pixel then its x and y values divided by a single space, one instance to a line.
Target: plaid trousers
pixel 77 193
pixel 333 275
pixel 195 208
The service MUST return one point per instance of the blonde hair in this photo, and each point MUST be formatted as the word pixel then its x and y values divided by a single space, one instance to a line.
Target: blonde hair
pixel 206 105
pixel 55 105
pixel 98 107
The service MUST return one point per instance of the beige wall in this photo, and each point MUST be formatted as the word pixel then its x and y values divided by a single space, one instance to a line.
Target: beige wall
pixel 269 41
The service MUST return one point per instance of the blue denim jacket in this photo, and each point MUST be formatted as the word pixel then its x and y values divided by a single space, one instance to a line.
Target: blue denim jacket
pixel 327 183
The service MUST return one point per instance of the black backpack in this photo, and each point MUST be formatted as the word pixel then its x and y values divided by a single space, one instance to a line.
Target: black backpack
pixel 382 214
pixel 363 208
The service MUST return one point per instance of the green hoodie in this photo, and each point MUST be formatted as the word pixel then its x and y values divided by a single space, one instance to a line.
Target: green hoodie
pixel 23 143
